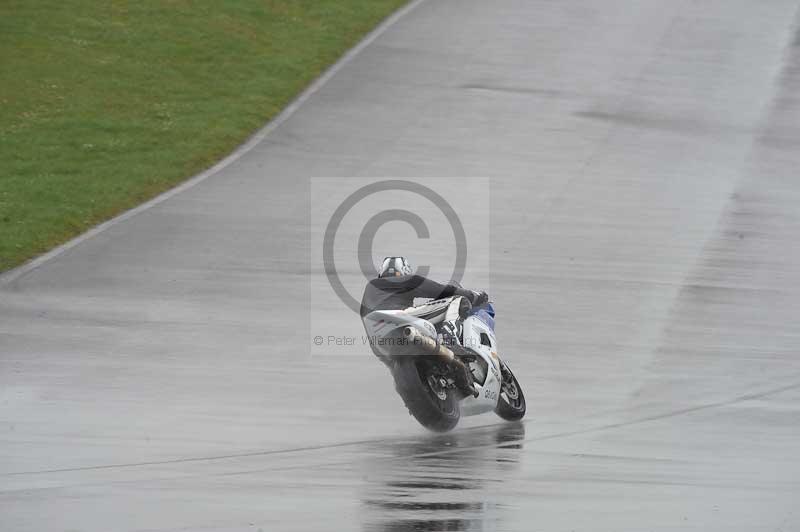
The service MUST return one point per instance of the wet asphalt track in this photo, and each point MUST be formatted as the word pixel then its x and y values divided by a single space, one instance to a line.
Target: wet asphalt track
pixel 644 160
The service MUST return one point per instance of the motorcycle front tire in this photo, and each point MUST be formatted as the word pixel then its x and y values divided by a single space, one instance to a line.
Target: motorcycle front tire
pixel 511 403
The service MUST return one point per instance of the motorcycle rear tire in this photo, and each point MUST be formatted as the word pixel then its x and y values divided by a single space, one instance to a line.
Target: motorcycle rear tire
pixel 410 377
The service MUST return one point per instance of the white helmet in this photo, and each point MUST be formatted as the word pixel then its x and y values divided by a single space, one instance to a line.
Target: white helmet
pixel 395 267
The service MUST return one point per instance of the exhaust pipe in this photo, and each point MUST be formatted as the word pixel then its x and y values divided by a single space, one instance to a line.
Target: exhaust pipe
pixel 429 345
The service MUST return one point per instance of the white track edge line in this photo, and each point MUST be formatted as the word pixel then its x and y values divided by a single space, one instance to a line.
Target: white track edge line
pixel 15 273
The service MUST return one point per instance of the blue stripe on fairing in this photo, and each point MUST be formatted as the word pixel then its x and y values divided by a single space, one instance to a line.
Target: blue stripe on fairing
pixel 482 314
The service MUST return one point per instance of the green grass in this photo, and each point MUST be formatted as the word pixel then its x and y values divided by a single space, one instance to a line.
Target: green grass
pixel 104 104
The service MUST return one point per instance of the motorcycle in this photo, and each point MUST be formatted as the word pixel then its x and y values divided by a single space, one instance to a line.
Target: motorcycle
pixel 409 343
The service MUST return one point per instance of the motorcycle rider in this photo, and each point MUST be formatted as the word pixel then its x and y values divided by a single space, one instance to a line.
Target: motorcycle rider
pixel 397 286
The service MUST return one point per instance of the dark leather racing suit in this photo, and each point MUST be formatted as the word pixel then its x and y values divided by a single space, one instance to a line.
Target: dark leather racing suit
pixel 398 293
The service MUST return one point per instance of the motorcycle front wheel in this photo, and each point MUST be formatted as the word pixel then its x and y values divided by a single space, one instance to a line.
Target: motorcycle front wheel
pixel 511 403
pixel 421 382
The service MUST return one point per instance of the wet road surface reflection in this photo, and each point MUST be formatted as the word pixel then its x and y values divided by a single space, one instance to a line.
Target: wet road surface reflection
pixel 442 482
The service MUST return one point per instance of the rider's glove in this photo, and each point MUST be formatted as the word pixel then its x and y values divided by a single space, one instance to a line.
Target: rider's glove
pixel 479 298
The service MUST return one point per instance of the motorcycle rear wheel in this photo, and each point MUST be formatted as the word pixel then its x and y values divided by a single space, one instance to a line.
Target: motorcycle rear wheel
pixel 511 403
pixel 417 381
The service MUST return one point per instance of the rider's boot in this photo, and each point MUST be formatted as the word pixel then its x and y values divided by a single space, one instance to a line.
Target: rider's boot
pixel 463 377
pixel 450 337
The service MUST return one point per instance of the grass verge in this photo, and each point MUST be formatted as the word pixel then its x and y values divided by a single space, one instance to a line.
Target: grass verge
pixel 106 104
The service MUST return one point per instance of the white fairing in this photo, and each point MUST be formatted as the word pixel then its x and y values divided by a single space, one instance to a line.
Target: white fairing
pixel 476 336
pixel 383 325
